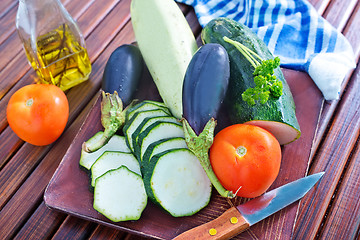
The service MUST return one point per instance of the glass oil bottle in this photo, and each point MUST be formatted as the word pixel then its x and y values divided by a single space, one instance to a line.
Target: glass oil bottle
pixel 53 43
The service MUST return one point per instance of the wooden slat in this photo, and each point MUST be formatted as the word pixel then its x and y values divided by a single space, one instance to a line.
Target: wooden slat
pixel 41 225
pixel 6 6
pixel 76 104
pixel 7 24
pixel 31 155
pixel 17 170
pixel 10 48
pixel 30 193
pixel 101 232
pixel 340 17
pixel 338 14
pixel 73 229
pixel 19 62
pixel 351 30
pixel 7 150
pixel 345 210
pixel 319 5
pixel 331 158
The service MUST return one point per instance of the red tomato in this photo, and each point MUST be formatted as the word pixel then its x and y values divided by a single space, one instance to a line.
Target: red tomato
pixel 246 159
pixel 38 113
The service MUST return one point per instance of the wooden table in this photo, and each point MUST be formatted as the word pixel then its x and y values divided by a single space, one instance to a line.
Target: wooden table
pixel 330 212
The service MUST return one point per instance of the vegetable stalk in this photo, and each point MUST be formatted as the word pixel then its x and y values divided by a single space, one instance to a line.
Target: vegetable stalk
pixel 200 145
pixel 266 83
pixel 112 118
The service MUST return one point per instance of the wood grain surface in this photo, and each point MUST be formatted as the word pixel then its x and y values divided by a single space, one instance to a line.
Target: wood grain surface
pixel 331 211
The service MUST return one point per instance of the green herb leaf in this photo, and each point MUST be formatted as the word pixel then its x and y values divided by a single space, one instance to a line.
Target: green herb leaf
pixel 266 83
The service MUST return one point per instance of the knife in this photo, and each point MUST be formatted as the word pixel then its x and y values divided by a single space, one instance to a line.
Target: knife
pixel 237 219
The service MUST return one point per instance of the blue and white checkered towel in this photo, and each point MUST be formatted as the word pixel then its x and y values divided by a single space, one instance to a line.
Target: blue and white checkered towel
pixel 292 30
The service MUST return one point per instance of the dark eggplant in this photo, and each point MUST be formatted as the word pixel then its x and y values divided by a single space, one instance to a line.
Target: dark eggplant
pixel 123 71
pixel 204 89
pixel 121 77
pixel 205 85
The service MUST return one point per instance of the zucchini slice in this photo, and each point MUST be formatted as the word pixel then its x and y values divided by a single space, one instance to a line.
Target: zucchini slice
pixel 120 195
pixel 116 143
pixel 176 181
pixel 112 160
pixel 136 119
pixel 155 132
pixel 144 106
pixel 145 124
pixel 162 146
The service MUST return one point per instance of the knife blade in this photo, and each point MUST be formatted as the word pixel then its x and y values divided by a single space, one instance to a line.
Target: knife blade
pixel 237 219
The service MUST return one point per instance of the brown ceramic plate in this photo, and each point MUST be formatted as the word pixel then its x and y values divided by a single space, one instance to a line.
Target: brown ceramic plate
pixel 68 190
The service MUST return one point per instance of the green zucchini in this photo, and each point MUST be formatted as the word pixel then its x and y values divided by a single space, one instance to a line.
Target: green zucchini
pixel 120 195
pixel 112 160
pixel 116 143
pixel 176 181
pixel 155 132
pixel 161 146
pixel 145 124
pixel 277 115
pixel 132 124
pixel 144 106
pixel 167 45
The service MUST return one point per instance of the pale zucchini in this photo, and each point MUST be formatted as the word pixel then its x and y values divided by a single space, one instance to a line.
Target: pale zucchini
pixel 167 44
pixel 176 181
pixel 120 195
pixel 112 160
pixel 116 143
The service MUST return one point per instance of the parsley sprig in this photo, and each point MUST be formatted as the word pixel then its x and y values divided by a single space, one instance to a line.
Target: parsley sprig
pixel 266 83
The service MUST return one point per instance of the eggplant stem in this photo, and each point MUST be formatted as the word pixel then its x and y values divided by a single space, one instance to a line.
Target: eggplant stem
pixel 200 145
pixel 112 119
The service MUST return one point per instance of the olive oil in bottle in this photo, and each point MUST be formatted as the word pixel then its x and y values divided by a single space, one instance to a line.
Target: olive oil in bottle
pixel 53 43
pixel 62 61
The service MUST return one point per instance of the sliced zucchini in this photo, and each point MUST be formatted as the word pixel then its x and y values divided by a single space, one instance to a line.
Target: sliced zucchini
pixel 161 146
pixel 120 195
pixel 136 119
pixel 145 124
pixel 112 160
pixel 175 180
pixel 155 132
pixel 144 106
pixel 116 143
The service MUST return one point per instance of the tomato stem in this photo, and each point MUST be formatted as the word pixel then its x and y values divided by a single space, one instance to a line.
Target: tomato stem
pixel 112 118
pixel 241 151
pixel 29 102
pixel 200 145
